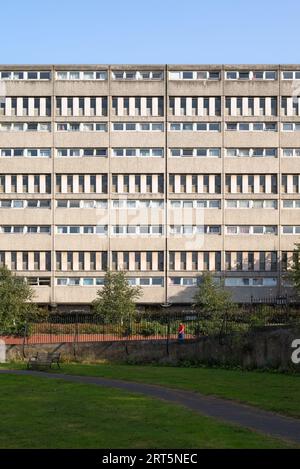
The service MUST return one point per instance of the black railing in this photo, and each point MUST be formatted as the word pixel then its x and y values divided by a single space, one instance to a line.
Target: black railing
pixel 75 328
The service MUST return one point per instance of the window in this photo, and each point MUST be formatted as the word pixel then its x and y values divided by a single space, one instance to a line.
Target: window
pixel 250 75
pixel 200 152
pixel 194 75
pixel 81 75
pixel 290 75
pixel 137 75
pixel 25 75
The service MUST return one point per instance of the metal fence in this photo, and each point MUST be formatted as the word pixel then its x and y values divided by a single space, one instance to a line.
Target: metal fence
pixel 89 328
pixel 75 328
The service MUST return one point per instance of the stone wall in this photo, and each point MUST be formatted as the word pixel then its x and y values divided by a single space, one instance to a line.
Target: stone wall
pixel 262 348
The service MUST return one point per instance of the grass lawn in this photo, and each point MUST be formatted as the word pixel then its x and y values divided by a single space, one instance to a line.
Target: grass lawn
pixel 271 391
pixel 44 413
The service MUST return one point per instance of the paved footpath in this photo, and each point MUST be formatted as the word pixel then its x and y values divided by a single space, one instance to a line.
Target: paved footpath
pixel 228 411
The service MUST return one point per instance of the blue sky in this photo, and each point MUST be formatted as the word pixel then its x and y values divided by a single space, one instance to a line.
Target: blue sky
pixel 153 31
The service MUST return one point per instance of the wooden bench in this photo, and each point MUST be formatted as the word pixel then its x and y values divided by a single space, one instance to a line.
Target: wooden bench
pixel 43 360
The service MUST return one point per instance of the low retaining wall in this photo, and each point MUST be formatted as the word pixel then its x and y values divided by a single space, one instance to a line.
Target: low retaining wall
pixel 277 348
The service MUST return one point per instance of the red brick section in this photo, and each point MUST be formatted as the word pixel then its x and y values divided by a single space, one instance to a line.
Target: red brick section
pixel 58 338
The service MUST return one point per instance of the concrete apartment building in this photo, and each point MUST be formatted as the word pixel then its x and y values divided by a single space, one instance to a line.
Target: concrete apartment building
pixel 162 171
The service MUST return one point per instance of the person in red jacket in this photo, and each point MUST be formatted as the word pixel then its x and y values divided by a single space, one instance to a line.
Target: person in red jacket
pixel 181 332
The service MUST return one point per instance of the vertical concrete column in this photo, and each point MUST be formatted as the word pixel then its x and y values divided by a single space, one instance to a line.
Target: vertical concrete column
pixel 233 109
pixel 200 183
pixel 289 183
pixel 256 260
pixel 76 106
pixel 132 261
pixel 200 107
pixel 177 261
pixel 99 266
pixel 87 106
pixel 19 265
pixel 155 183
pixel 132 183
pixel 212 106
pixel 8 106
pixel 200 261
pixel 120 183
pixel 42 183
pixel 64 261
pixel 233 260
pixel 75 260
pixel 8 259
pixel 76 183
pixel 189 261
pixel 30 106
pixel 268 110
pixel 87 183
pixel 189 106
pixel 188 183
pixel 232 189
pixel 143 106
pixel 64 186
pixel 19 183
pixel 256 183
pixel 245 265
pixel 256 106
pixel 245 108
pixel 155 106
pixel 177 106
pixel 212 188
pixel 143 184
pixel 99 111
pixel 245 183
pixel 132 106
pixel 268 184
pixel 98 183
pixel 120 107
pixel 30 260
pixel 144 261
pixel 19 107
pixel 177 183
pixel 42 107
pixel 42 261
pixel 289 106
pixel 31 183
pixel 64 106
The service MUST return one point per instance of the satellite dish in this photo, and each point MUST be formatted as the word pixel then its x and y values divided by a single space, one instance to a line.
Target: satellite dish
pixel 165 305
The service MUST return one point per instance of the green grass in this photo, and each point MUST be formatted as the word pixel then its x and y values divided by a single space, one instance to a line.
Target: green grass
pixel 48 413
pixel 271 391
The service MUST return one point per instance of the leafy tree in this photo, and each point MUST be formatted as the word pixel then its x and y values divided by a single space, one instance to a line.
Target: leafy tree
pixel 116 300
pixel 295 268
pixel 212 299
pixel 16 307
pixel 216 305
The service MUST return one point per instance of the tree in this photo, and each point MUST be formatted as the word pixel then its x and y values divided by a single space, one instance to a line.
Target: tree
pixel 212 299
pixel 16 307
pixel 295 268
pixel 116 300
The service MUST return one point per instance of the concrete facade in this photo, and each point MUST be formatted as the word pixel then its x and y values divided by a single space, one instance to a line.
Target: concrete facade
pixel 164 171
